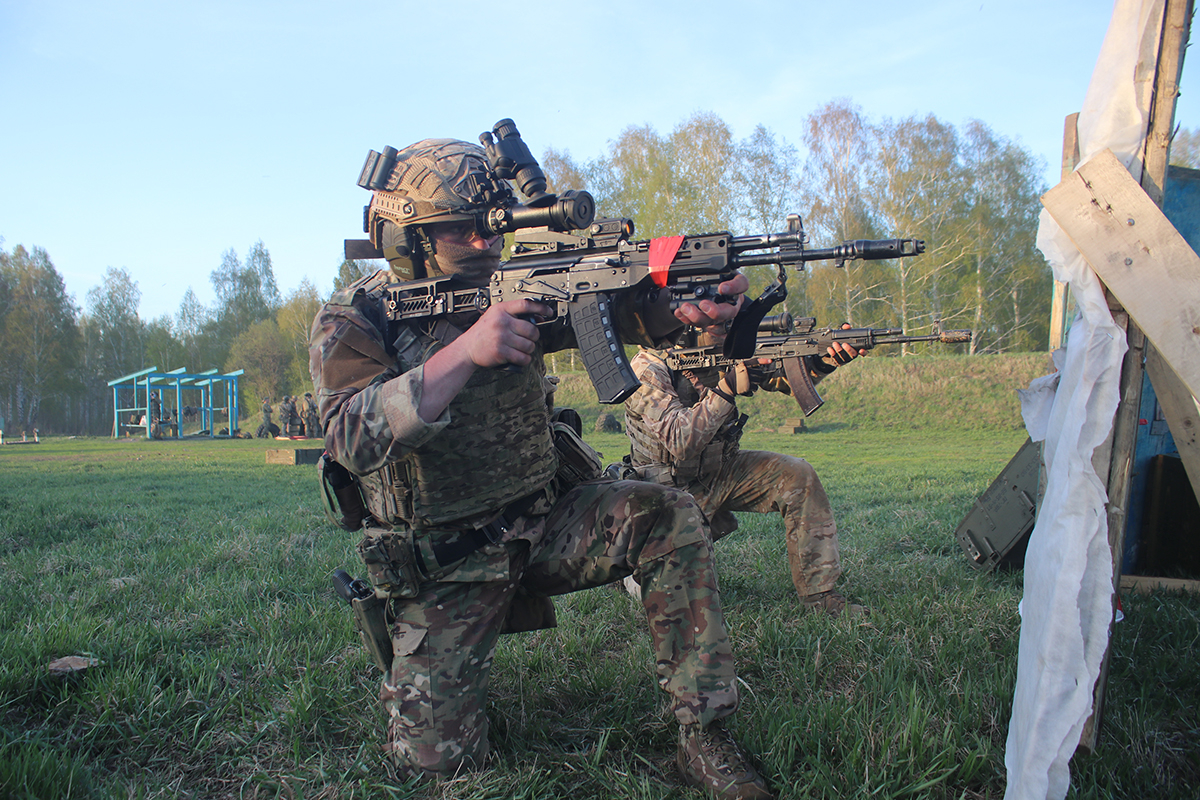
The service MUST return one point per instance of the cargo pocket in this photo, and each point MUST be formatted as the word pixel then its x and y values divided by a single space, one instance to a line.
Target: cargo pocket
pixel 407 695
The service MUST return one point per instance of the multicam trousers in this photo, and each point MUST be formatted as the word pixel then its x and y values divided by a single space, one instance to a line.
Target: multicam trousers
pixel 765 482
pixel 444 639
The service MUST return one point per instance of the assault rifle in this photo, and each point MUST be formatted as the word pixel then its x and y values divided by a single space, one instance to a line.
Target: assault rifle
pixel 802 339
pixel 584 276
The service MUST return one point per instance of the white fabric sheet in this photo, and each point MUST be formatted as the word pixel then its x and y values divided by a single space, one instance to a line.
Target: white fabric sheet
pixel 1067 605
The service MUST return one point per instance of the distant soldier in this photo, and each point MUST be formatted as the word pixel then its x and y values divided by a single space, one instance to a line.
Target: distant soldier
pixel 155 415
pixel 264 429
pixel 294 421
pixel 312 419
pixel 285 415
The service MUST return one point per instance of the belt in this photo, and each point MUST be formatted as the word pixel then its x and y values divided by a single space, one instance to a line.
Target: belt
pixel 476 538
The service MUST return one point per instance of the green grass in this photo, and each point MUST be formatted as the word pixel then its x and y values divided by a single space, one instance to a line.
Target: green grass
pixel 197 575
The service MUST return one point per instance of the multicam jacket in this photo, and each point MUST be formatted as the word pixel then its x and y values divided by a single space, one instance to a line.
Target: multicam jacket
pixel 491 446
pixel 679 430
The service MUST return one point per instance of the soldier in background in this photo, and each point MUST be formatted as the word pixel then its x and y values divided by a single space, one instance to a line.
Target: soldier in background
pixel 473 523
pixel 155 416
pixel 312 419
pixel 287 413
pixel 684 430
pixel 264 428
pixel 283 415
pixel 295 422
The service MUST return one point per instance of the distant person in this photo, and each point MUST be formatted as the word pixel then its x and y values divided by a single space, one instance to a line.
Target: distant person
pixel 295 422
pixel 285 415
pixel 264 428
pixel 684 430
pixel 312 418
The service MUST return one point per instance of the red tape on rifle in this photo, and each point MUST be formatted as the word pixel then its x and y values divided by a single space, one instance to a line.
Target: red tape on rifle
pixel 662 255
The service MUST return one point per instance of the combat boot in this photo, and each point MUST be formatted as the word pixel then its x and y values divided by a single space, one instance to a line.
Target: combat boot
pixel 710 758
pixel 833 603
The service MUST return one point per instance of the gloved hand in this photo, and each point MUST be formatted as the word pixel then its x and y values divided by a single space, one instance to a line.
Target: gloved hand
pixel 737 380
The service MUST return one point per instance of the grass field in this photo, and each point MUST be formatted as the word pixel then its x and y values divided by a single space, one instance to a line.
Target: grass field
pixel 197 576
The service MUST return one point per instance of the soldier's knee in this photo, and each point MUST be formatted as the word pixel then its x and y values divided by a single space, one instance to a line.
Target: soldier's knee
pixel 436 757
pixel 798 474
pixel 671 520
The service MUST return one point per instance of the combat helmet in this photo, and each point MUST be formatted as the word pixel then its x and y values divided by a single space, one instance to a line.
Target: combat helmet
pixel 449 180
pixel 432 181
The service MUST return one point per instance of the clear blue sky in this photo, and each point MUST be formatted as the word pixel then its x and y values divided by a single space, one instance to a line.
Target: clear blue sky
pixel 154 136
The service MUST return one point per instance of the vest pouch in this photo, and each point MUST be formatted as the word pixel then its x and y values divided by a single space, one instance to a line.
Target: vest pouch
pixel 656 473
pixel 577 462
pixel 391 563
pixel 341 495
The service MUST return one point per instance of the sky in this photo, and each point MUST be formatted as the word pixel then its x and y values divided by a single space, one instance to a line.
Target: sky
pixel 153 137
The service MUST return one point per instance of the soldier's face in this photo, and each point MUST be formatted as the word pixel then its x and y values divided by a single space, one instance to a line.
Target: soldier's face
pixel 462 234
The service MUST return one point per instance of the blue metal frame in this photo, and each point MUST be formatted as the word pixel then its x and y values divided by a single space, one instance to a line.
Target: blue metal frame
pixel 209 384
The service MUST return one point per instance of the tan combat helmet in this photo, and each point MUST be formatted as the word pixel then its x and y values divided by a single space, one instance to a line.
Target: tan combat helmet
pixel 434 180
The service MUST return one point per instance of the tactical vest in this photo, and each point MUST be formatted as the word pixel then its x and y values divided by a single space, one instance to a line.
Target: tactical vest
pixel 496 449
pixel 654 462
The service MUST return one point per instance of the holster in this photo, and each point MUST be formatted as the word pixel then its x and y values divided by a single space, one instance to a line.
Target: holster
pixel 370 617
pixel 370 620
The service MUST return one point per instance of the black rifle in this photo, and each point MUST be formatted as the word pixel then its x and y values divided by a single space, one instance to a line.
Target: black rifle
pixel 583 277
pixel 802 340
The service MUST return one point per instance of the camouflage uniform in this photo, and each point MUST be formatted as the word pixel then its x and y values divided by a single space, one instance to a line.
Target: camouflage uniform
pixel 563 539
pixel 686 435
pixel 312 420
pixel 264 427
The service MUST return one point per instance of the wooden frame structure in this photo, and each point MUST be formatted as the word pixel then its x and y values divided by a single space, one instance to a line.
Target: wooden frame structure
pixel 1118 226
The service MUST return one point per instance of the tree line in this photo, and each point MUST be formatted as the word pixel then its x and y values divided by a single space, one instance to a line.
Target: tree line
pixel 57 358
pixel 970 193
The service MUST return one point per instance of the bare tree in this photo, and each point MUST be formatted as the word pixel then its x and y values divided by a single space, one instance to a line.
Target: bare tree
pixel 916 183
pixel 39 343
pixel 837 138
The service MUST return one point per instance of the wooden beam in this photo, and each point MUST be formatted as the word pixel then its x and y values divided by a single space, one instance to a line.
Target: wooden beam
pixel 1181 411
pixel 1150 269
pixel 1144 584
pixel 1060 300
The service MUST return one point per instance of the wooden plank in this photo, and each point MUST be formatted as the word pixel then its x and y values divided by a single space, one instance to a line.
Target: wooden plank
pixel 1070 151
pixel 1182 413
pixel 1139 255
pixel 1060 299
pixel 1145 584
pixel 290 456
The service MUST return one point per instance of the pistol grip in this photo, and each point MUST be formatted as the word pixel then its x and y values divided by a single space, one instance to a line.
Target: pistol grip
pixel 600 346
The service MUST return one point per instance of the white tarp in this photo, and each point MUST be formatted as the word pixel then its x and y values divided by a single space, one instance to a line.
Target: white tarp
pixel 1067 605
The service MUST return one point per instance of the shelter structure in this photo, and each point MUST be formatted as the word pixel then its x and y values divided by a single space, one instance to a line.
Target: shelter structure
pixel 212 397
pixel 1135 284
